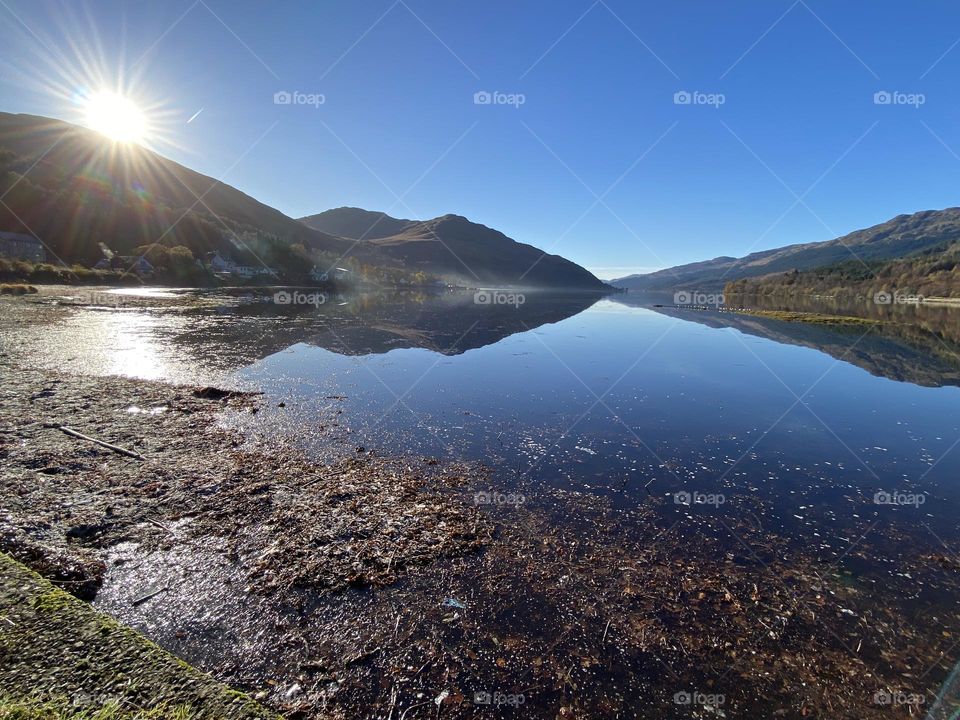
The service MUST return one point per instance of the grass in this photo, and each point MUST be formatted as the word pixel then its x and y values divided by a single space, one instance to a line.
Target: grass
pixel 808 317
pixel 64 709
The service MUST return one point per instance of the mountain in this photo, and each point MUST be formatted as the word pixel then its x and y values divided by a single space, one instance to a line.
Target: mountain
pixel 900 237
pixel 454 247
pixel 930 273
pixel 73 190
pixel 357 224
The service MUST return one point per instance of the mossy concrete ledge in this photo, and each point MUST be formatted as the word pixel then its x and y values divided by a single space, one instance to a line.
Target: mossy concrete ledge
pixel 61 659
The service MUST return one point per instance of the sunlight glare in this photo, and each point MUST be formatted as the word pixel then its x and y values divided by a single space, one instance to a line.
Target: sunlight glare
pixel 115 116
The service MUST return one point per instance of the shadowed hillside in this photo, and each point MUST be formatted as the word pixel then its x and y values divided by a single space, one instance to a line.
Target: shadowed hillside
pixel 73 190
pixel 456 248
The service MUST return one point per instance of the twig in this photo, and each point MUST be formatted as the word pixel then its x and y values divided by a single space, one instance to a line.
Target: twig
pixel 144 598
pixel 161 526
pixel 393 701
pixel 322 478
pixel 605 630
pixel 101 443
pixel 404 714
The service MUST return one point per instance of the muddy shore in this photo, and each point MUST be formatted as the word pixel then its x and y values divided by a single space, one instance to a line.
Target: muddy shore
pixel 376 587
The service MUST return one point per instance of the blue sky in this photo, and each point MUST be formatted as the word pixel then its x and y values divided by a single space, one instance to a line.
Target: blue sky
pixel 599 163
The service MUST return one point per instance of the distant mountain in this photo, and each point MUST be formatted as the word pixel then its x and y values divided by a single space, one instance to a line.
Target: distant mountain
pixel 456 248
pixel 900 237
pixel 74 190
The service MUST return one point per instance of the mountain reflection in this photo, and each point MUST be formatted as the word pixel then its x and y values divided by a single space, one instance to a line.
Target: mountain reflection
pixel 911 343
pixel 373 324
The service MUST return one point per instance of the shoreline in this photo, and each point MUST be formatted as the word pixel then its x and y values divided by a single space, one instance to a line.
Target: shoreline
pixel 919 300
pixel 803 317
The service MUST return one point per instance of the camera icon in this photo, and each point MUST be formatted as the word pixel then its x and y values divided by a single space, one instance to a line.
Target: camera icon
pixel 282 98
pixel 882 98
pixel 682 298
pixel 482 698
pixel 484 497
pixel 282 298
pixel 882 498
pixel 883 298
pixel 882 697
pixel 482 98
pixel 683 698
pixel 483 297
pixel 682 498
pixel 682 97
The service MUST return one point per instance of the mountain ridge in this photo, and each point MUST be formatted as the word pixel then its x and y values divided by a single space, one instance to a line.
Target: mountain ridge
pixel 901 236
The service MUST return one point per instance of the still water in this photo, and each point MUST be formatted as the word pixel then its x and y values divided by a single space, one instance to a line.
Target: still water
pixel 624 396
pixel 625 401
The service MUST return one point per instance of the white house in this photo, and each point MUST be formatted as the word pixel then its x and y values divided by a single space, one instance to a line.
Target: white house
pixel 225 266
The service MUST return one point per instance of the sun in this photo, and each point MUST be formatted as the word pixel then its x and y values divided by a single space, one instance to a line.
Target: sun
pixel 116 116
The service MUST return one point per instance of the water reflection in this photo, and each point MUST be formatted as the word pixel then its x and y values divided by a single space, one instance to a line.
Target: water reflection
pixel 447 323
pixel 205 337
pixel 919 344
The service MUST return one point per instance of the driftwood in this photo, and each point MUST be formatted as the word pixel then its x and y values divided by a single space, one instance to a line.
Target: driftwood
pixel 101 443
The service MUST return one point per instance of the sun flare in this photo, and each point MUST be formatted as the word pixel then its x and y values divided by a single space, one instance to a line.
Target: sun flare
pixel 116 116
